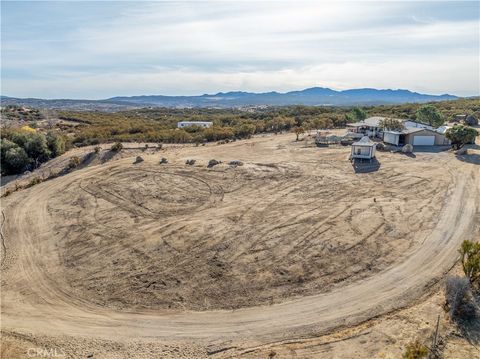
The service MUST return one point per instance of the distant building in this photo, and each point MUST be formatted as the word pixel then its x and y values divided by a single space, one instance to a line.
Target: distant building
pixel 204 124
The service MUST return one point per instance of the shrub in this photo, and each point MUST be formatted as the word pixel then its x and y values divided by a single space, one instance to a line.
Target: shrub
pixel 73 162
pixel 117 147
pixel 15 160
pixel 36 147
pixel 470 256
pixel 34 181
pixel 415 350
pixel 380 146
pixel 461 135
pixel 459 299
pixel 55 143
pixel 97 149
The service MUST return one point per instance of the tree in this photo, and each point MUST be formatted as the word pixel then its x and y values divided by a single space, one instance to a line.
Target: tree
pixel 358 114
pixel 429 114
pixel 298 131
pixel 461 135
pixel 391 124
pixel 470 256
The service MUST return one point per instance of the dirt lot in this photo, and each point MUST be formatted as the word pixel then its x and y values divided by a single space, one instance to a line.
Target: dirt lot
pixel 124 250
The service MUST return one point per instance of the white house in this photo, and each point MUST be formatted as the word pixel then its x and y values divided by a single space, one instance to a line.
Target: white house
pixel 371 127
pixel 204 124
pixel 364 148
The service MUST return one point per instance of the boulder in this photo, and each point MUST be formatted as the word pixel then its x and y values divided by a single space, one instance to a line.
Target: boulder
pixel 212 163
pixel 408 148
pixel 471 120
pixel 235 163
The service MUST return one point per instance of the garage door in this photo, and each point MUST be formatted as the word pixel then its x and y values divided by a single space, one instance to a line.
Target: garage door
pixel 423 140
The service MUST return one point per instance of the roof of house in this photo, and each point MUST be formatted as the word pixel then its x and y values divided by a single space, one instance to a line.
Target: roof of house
pixel 407 131
pixel 374 121
pixel 364 141
pixel 443 129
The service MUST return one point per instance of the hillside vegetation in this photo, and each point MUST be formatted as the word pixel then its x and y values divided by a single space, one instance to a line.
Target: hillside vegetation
pixel 74 128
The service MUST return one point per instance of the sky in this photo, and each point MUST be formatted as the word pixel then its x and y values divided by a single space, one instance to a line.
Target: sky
pixel 95 50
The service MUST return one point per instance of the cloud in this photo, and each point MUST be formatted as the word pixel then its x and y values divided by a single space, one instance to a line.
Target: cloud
pixel 191 48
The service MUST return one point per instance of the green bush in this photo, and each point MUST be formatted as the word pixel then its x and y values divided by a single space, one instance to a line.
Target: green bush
pixel 415 350
pixel 55 143
pixel 15 160
pixel 74 162
pixel 117 147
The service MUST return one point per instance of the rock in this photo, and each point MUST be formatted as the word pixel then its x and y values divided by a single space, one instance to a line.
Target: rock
pixel 163 160
pixel 212 163
pixel 138 159
pixel 235 163
pixel 471 120
pixel 190 162
pixel 461 151
pixel 408 148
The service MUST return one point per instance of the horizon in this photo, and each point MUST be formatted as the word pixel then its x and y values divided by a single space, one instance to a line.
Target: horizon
pixel 241 91
pixel 98 50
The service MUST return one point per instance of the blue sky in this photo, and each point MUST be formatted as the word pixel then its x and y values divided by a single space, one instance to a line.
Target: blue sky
pixel 90 49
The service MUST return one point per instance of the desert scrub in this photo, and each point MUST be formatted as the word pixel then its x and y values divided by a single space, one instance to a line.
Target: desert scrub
pixel 117 147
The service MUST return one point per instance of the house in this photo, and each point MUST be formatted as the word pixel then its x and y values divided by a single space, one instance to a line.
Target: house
pixel 415 137
pixel 369 127
pixel 363 149
pixel 204 124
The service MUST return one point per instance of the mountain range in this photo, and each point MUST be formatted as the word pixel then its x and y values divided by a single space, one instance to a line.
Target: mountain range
pixel 315 96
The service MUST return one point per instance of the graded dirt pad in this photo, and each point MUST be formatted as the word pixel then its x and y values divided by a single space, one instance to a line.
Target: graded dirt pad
pixel 150 236
pixel 123 250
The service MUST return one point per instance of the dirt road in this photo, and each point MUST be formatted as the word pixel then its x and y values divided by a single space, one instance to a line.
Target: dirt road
pixel 37 295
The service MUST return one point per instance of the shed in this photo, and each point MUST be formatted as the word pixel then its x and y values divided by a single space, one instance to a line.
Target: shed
pixel 364 148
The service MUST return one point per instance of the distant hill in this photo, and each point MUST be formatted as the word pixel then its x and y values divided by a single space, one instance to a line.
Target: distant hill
pixel 315 96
